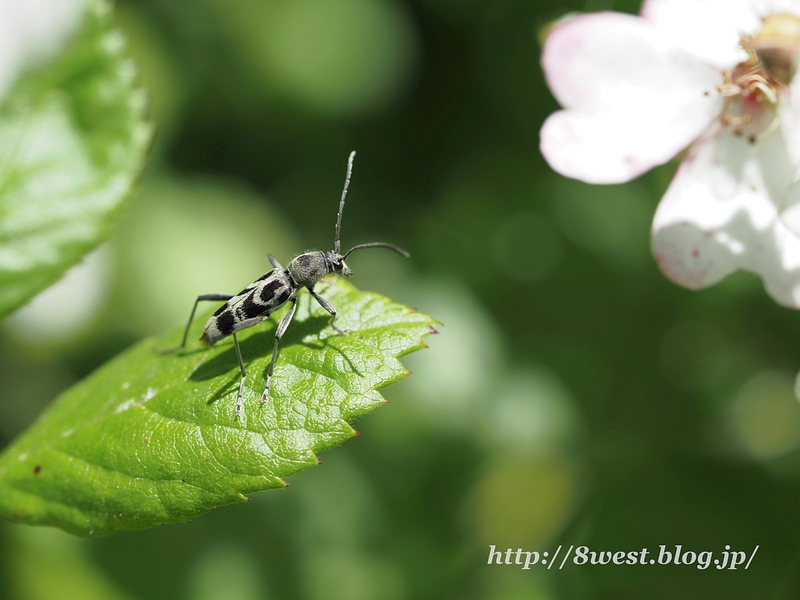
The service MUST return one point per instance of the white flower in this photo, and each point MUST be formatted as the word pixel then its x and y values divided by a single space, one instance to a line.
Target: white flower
pixel 32 31
pixel 717 73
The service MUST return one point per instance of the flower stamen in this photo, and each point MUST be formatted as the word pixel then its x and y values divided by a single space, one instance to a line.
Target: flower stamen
pixel 753 89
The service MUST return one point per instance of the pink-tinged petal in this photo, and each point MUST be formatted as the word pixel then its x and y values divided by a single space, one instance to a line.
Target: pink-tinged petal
pixel 617 61
pixel 709 29
pixel 632 100
pixel 608 148
pixel 720 214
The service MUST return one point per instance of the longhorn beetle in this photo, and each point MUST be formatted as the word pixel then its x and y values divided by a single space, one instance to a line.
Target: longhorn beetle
pixel 269 292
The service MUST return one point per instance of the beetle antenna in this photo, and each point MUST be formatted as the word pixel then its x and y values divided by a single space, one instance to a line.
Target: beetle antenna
pixel 397 249
pixel 337 246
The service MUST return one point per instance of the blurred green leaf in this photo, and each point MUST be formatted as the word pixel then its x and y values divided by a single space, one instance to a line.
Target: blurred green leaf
pixel 72 138
pixel 153 438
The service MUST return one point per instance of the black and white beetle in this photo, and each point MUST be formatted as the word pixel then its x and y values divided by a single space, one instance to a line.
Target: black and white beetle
pixel 269 292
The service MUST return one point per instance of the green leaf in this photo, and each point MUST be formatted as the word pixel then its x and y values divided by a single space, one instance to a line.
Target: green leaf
pixel 72 138
pixel 152 438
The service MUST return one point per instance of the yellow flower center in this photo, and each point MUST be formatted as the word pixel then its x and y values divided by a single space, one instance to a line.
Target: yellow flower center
pixel 753 88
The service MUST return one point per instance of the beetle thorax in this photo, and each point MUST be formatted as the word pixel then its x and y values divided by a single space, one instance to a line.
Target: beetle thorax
pixel 308 268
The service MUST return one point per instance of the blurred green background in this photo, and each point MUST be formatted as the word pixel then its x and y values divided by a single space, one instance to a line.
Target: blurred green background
pixel 575 396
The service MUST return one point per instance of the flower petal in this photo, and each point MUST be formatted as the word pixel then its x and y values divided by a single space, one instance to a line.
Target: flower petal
pixel 709 29
pixel 790 130
pixel 790 215
pixel 762 8
pixel 633 100
pixel 790 124
pixel 720 214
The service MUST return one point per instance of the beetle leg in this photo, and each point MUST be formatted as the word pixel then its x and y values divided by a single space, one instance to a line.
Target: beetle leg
pixel 203 298
pixel 329 307
pixel 244 374
pixel 282 327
